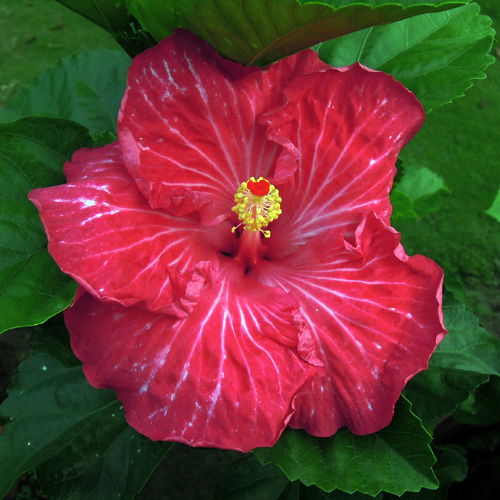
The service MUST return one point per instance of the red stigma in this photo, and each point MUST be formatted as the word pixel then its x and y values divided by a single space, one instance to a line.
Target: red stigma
pixel 259 188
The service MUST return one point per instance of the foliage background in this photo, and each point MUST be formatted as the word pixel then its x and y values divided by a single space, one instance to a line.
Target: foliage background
pixel 459 142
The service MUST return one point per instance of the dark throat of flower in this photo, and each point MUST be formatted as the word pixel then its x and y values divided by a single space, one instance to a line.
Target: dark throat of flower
pixel 257 204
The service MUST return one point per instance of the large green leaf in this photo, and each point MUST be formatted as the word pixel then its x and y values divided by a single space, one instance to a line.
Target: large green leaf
pixel 482 407
pixel 437 392
pixel 113 16
pixel 450 467
pixel 87 88
pixel 247 479
pixel 465 359
pixel 468 346
pixel 437 56
pixel 395 459
pixel 259 32
pixel 378 3
pixel 32 154
pixel 161 22
pixel 74 436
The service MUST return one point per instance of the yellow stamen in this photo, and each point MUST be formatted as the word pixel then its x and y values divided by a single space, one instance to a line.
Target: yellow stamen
pixel 257 204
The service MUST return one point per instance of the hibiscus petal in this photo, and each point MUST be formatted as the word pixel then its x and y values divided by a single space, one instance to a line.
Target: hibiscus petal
pixel 212 379
pixel 349 125
pixel 371 317
pixel 188 123
pixel 104 234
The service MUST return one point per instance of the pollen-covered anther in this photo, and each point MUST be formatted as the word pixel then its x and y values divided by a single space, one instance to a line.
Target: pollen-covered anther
pixel 257 204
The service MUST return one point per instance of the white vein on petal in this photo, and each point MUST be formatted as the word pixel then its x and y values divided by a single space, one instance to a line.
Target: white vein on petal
pixel 203 94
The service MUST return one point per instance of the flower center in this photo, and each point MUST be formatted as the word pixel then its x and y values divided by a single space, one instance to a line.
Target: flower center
pixel 257 204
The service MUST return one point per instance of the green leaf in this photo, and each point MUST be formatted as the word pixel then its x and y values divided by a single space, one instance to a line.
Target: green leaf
pixel 465 359
pixel 248 479
pixel 424 189
pixel 260 32
pixel 419 182
pixel 314 493
pixel 161 22
pixel 86 88
pixel 438 57
pixel 494 210
pixel 482 407
pixel 395 459
pixel 468 346
pixel 74 436
pixel 437 391
pixel 450 467
pixel 112 15
pixel 378 3
pixel 33 151
pixel 402 206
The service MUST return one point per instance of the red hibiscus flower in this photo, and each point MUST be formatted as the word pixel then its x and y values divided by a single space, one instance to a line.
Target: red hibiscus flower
pixel 237 267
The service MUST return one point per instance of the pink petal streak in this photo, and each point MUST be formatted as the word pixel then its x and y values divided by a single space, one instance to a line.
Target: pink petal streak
pixel 104 234
pixel 371 317
pixel 211 379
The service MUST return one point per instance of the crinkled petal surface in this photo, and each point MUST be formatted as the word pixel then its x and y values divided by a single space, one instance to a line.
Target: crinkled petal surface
pixel 348 127
pixel 188 123
pixel 103 233
pixel 214 339
pixel 211 379
pixel 371 317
